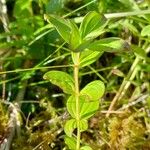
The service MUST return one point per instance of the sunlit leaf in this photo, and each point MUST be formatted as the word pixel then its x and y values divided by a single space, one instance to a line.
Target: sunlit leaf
pixel 146 31
pixel 71 142
pixel 87 57
pixel 94 90
pixel 83 125
pixel 61 79
pixel 92 25
pixel 61 25
pixel 88 100
pixel 70 126
pixel 86 148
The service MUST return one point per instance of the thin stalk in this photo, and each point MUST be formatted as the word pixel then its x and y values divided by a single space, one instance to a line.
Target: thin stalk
pixel 118 15
pixel 126 83
pixel 76 79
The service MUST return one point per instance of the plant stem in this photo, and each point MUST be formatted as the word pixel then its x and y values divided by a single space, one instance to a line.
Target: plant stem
pixel 76 78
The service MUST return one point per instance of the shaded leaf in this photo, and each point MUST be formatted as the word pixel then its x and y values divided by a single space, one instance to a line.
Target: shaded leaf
pixel 74 36
pixel 61 25
pixel 138 51
pixel 144 67
pixel 92 25
pixel 112 44
pixel 118 72
pixel 70 126
pixel 61 79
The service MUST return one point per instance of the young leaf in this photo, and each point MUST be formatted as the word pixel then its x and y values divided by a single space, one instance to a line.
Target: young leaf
pixel 109 45
pixel 61 25
pixel 92 25
pixel 74 37
pixel 61 79
pixel 70 126
pixel 71 142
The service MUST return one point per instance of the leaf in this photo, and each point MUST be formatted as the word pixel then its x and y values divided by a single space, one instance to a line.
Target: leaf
pixel 84 45
pixel 118 72
pixel 89 100
pixel 146 31
pixel 83 125
pixel 87 57
pixel 61 79
pixel 22 8
pixel 61 25
pixel 92 25
pixel 75 39
pixel 112 44
pixel 91 94
pixel 71 142
pixel 144 67
pixel 86 148
pixel 70 126
pixel 94 90
pixel 71 106
pixel 138 51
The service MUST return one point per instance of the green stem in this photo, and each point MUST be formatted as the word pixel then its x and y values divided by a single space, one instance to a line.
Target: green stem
pixel 76 78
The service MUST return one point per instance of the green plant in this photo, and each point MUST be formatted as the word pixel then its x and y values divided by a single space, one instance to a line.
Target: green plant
pixel 81 104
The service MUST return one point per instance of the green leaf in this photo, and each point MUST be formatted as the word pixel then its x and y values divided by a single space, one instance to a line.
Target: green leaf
pixel 71 142
pixel 75 39
pixel 71 106
pixel 94 90
pixel 84 45
pixel 87 57
pixel 61 25
pixel 144 67
pixel 61 79
pixel 70 126
pixel 83 125
pixel 92 25
pixel 87 107
pixel 146 31
pixel 90 97
pixel 138 51
pixel 86 148
pixel 23 8
pixel 112 44
pixel 89 100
